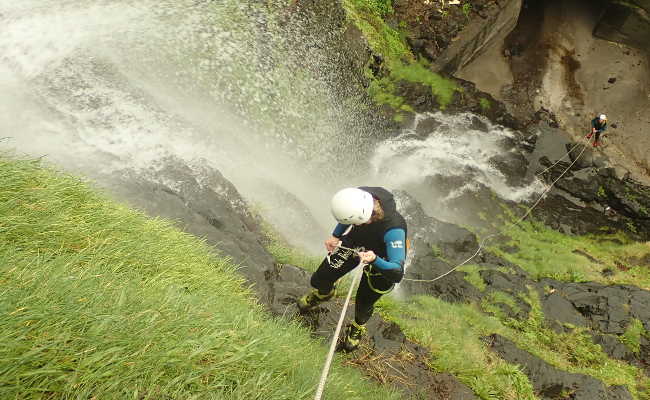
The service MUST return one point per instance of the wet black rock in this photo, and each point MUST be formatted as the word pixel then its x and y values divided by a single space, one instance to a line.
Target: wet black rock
pixel 558 309
pixel 427 126
pixel 436 247
pixel 478 125
pixel 202 202
pixel 623 203
pixel 550 382
pixel 513 165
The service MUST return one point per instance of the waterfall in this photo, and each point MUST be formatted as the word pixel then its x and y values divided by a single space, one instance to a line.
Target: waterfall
pixel 98 87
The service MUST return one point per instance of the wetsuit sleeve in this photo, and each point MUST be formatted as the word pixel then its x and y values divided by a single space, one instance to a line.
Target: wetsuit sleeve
pixel 339 230
pixel 393 268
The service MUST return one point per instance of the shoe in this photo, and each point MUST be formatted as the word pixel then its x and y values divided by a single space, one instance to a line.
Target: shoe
pixel 353 335
pixel 596 144
pixel 312 299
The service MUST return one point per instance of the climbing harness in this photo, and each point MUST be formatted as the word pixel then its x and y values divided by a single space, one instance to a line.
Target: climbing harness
pixel 482 243
pixel 330 355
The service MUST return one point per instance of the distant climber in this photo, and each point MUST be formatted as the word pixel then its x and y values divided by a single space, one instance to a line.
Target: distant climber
pixel 369 229
pixel 598 126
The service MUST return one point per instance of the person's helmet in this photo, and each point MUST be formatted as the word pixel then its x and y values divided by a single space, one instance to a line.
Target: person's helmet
pixel 603 117
pixel 352 206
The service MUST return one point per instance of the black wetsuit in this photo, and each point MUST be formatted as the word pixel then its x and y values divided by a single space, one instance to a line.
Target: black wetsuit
pixel 383 237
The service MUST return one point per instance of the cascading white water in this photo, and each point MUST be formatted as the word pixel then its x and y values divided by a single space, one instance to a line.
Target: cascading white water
pixel 452 149
pixel 99 86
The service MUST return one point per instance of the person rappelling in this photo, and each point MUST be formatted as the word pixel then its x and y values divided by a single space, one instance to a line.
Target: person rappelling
pixel 598 126
pixel 371 230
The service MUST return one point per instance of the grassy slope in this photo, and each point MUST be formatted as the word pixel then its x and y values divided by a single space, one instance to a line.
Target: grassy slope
pixel 544 252
pixel 453 333
pixel 99 301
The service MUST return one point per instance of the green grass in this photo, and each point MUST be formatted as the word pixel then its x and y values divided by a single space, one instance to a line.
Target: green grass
pixel 442 88
pixel 573 351
pixel 472 276
pixel 632 336
pixel 544 252
pixel 452 332
pixel 98 301
pixel 484 103
pixel 402 65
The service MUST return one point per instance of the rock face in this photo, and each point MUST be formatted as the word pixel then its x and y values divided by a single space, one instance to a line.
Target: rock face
pixel 202 202
pixel 552 383
pixel 626 22
pixel 490 26
pixel 453 34
pixel 593 198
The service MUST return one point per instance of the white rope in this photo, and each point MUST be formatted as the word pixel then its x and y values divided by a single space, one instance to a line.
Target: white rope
pixel 330 355
pixel 482 243
pixel 555 163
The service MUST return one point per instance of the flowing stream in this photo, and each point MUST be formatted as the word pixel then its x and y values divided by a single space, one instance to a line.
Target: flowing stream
pixel 98 87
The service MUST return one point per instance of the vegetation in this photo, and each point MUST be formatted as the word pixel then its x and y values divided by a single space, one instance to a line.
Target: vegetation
pixel 632 336
pixel 453 334
pixel 573 351
pixel 472 276
pixel 484 103
pixel 544 252
pixel 400 63
pixel 99 301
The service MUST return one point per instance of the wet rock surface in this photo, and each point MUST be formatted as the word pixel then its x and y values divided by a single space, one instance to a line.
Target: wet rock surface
pixel 592 198
pixel 550 382
pixel 384 354
pixel 202 202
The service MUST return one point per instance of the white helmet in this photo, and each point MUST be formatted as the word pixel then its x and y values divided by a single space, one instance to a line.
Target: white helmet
pixel 352 206
pixel 603 117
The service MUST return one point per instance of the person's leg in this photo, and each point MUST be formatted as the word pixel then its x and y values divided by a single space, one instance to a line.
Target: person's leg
pixel 323 280
pixel 332 269
pixel 597 139
pixel 367 297
pixel 370 290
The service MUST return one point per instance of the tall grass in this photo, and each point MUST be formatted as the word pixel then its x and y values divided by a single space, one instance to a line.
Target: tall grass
pixel 98 301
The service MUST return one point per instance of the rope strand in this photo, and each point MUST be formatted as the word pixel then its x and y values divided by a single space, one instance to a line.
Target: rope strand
pixel 482 243
pixel 330 355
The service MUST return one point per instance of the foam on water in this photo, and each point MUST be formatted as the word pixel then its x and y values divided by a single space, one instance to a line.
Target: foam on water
pixel 453 149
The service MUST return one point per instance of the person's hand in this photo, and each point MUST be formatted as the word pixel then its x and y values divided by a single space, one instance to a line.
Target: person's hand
pixel 332 243
pixel 593 130
pixel 367 256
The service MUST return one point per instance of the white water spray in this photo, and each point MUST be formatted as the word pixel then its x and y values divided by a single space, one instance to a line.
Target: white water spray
pixel 102 86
